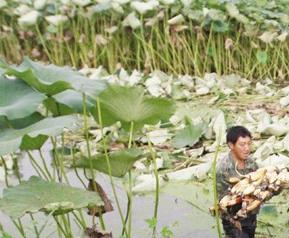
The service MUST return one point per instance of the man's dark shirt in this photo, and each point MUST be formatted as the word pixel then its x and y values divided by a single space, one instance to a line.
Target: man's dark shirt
pixel 226 169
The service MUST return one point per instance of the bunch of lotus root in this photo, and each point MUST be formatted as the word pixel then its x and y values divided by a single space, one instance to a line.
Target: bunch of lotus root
pixel 254 189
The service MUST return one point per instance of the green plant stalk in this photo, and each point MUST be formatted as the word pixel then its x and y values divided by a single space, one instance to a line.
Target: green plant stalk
pixel 15 162
pixel 70 54
pixel 75 169
pixel 155 39
pixel 19 180
pixel 5 170
pixel 157 186
pixel 59 227
pixel 159 55
pixel 19 227
pixel 37 167
pixel 66 228
pixel 129 209
pixel 82 217
pixel 214 173
pixel 43 43
pixel 68 222
pixel 80 221
pixel 45 224
pixel 59 231
pixel 109 168
pixel 36 170
pixel 56 163
pixel 89 156
pixel 62 159
pixel 207 47
pixel 45 165
pixel 34 226
pixel 60 162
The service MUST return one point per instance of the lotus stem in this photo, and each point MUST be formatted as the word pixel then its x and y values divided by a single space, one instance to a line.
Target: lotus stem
pixel 31 216
pixel 66 224
pixel 60 161
pixel 55 162
pixel 15 162
pixel 34 226
pixel 68 221
pixel 45 166
pixel 75 169
pixel 59 226
pixel 58 230
pixel 19 180
pixel 129 194
pixel 214 173
pixel 109 169
pixel 89 155
pixel 81 221
pixel 87 139
pixel 37 167
pixel 6 173
pixel 19 227
pixel 157 186
pixel 43 43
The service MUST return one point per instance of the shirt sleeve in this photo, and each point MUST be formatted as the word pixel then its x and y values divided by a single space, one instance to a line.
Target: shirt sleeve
pixel 222 183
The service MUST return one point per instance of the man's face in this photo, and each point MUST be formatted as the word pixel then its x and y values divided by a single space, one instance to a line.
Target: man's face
pixel 242 148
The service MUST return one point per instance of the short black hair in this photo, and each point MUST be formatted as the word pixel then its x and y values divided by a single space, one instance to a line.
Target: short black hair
pixel 235 132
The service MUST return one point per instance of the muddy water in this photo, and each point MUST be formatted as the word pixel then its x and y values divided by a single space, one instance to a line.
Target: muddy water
pixel 183 219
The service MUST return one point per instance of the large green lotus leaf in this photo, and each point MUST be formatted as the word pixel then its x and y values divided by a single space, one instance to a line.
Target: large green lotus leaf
pixel 56 108
pixel 33 136
pixel 26 121
pixel 74 100
pixel 52 79
pixel 3 123
pixel 129 104
pixel 121 162
pixel 21 122
pixel 39 195
pixel 190 135
pixel 17 99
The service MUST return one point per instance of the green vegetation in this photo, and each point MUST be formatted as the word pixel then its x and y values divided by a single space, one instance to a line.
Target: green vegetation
pixel 159 83
pixel 249 38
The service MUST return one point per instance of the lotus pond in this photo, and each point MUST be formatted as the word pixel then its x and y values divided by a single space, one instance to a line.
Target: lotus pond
pixel 113 113
pixel 73 144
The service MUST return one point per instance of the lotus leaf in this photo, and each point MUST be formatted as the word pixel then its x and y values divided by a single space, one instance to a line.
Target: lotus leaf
pixel 121 162
pixel 190 135
pixel 52 79
pixel 74 100
pixel 56 108
pixel 25 121
pixel 129 104
pixel 33 136
pixel 39 195
pixel 17 99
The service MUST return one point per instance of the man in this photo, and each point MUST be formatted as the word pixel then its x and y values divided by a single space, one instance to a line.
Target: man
pixel 237 162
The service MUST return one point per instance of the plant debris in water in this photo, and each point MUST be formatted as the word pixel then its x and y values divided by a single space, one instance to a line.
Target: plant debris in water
pixel 93 233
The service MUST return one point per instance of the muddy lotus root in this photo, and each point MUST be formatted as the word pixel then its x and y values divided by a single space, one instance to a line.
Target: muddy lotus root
pixel 254 189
